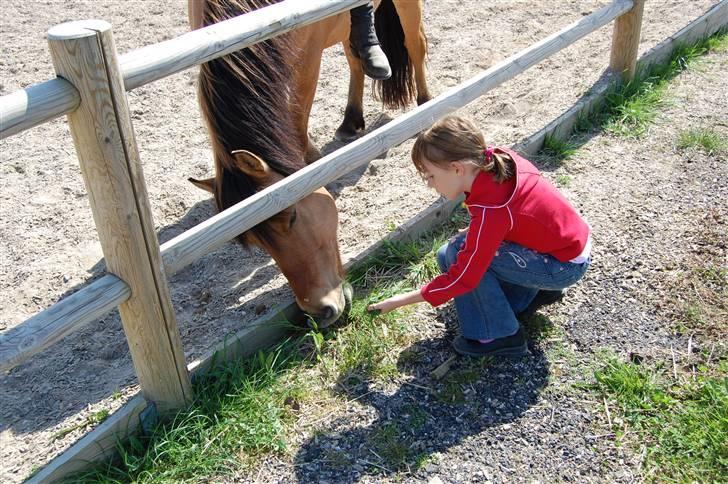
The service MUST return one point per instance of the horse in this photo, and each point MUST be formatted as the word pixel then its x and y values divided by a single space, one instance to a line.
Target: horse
pixel 402 37
pixel 256 105
pixel 245 106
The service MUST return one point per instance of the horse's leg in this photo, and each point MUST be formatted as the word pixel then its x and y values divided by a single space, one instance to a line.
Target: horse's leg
pixel 354 114
pixel 410 16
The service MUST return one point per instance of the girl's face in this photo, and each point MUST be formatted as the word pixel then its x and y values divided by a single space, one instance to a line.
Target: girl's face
pixel 447 179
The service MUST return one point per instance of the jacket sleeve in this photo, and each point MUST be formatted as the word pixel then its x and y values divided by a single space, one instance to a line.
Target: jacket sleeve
pixel 488 227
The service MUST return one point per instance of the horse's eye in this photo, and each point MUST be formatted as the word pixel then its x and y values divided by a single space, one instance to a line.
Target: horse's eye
pixel 294 214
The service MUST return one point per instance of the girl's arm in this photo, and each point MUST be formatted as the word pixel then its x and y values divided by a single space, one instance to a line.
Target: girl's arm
pixel 396 301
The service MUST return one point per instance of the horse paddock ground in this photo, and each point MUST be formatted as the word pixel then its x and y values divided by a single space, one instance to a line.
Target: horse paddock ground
pixel 49 246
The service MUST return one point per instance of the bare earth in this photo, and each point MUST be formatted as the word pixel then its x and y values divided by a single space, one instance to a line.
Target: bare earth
pixel 49 247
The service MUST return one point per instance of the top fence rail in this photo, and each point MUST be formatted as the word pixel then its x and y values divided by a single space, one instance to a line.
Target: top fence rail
pixel 42 102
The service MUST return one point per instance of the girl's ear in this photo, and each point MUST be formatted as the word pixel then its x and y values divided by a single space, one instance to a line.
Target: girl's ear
pixel 458 166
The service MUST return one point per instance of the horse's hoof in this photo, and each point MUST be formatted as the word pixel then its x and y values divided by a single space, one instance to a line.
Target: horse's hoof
pixel 345 135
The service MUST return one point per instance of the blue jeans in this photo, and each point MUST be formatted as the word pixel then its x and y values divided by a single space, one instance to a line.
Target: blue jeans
pixel 509 285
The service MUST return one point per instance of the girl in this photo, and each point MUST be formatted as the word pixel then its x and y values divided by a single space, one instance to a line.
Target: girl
pixel 525 242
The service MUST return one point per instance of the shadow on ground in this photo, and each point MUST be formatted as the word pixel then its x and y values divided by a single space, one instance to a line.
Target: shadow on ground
pixel 423 416
pixel 93 363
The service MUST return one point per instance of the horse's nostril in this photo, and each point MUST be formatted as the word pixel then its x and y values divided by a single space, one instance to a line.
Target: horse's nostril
pixel 328 312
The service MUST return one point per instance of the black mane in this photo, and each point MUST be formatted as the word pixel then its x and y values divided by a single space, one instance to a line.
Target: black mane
pixel 244 98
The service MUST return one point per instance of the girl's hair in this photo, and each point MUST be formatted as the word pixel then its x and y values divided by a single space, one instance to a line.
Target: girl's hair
pixel 456 139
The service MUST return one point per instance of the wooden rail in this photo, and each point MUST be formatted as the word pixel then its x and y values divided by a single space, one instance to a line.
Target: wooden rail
pixel 42 102
pixel 89 304
pixel 214 232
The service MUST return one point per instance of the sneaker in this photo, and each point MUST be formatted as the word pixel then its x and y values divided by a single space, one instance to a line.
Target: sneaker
pixel 543 298
pixel 514 345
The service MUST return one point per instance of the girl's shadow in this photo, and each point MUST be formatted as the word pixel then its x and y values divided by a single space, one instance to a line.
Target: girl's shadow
pixel 423 416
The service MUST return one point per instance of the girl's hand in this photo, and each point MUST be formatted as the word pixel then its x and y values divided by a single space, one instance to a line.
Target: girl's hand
pixel 394 302
pixel 383 307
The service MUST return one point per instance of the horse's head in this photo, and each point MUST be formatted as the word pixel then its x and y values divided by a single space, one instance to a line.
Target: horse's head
pixel 301 239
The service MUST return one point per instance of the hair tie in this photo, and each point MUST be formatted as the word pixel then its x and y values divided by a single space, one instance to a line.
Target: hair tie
pixel 488 152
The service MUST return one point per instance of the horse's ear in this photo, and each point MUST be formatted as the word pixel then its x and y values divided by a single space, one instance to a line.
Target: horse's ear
pixel 208 184
pixel 252 165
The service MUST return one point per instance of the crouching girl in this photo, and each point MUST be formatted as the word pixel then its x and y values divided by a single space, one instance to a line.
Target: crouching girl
pixel 524 245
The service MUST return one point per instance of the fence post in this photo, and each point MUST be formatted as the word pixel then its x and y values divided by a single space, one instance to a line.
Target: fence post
pixel 626 41
pixel 84 54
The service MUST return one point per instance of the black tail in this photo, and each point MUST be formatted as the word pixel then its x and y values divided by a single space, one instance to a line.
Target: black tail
pixel 399 90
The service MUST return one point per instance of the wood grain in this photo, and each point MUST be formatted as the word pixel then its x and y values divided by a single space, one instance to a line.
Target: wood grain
pixel 626 41
pixel 84 54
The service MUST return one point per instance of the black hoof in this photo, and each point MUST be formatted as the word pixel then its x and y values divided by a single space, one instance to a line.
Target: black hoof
pixel 347 134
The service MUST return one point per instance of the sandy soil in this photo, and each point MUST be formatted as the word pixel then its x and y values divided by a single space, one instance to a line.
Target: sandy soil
pixel 48 243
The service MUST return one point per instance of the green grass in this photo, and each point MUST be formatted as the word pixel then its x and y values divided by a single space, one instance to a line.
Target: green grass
pixel 366 349
pixel 240 411
pixel 563 180
pixel 392 445
pixel 92 420
pixel 557 150
pixel 682 424
pixel 631 107
pixel 705 139
pixel 413 260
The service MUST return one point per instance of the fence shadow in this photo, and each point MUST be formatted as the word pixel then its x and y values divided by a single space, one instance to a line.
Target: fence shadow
pixel 351 178
pixel 93 363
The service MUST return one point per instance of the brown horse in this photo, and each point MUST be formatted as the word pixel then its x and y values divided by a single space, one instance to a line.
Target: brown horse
pixel 245 106
pixel 260 135
pixel 401 34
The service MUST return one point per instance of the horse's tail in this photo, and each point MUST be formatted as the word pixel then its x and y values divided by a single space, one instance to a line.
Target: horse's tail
pixel 399 90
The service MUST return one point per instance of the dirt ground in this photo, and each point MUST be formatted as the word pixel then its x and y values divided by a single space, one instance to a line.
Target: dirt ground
pixel 48 243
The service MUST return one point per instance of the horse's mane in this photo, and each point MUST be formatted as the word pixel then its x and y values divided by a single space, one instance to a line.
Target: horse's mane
pixel 244 97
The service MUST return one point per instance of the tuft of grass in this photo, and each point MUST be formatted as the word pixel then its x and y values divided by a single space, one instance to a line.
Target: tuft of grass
pixel 92 420
pixel 366 348
pixel 452 389
pixel 563 180
pixel 240 411
pixel 391 445
pixel 683 426
pixel 631 108
pixel 386 264
pixel 558 150
pixel 416 417
pixel 706 139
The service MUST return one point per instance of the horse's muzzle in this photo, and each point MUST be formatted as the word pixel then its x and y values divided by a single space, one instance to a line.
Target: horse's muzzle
pixel 334 311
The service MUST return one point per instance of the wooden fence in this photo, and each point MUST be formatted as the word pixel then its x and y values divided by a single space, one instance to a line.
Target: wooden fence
pixel 91 89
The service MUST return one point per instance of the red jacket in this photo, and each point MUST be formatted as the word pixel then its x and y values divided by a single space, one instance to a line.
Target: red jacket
pixel 526 209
